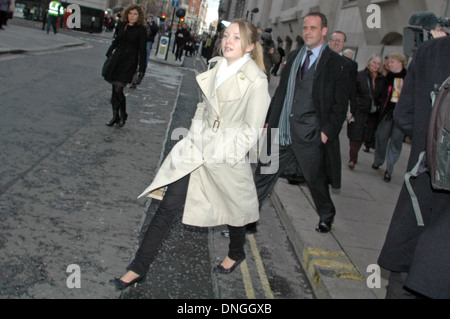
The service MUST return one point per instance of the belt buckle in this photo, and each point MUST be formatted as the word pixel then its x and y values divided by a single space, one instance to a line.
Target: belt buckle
pixel 216 126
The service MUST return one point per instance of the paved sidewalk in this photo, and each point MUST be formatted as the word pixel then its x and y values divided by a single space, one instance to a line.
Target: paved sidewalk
pixel 336 263
pixel 20 39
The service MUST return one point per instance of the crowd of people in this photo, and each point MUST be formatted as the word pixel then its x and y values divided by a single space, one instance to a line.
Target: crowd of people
pixel 320 89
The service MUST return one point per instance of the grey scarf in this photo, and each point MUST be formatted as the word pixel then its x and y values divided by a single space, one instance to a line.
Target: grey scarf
pixel 284 124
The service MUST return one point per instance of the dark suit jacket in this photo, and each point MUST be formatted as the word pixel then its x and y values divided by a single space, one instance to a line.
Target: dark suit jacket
pixel 330 93
pixel 423 252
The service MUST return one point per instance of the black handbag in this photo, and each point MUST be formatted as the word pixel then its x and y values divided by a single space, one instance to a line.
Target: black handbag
pixel 109 66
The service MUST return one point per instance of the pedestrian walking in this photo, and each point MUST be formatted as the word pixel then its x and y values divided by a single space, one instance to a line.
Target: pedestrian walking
pixel 389 138
pixel 55 10
pixel 418 256
pixel 206 176
pixel 182 36
pixel 333 159
pixel 308 109
pixel 364 114
pixel 4 8
pixel 126 53
pixel 152 31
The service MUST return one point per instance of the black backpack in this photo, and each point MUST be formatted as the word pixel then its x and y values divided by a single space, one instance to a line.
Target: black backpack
pixel 436 159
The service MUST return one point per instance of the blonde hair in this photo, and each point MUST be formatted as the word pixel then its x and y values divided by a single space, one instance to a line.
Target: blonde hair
pixel 140 10
pixel 249 36
pixel 398 56
pixel 374 56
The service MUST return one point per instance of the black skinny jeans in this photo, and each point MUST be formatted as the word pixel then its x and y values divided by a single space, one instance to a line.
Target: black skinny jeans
pixel 171 206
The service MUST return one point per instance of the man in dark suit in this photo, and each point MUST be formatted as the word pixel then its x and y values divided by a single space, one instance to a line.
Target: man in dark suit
pixel 337 43
pixel 418 256
pixel 307 111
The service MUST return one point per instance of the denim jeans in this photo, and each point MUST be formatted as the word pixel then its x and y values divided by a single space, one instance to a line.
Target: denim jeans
pixel 149 49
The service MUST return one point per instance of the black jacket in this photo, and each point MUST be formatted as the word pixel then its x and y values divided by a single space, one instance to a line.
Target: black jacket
pixel 363 102
pixel 330 93
pixel 423 252
pixel 152 31
pixel 129 50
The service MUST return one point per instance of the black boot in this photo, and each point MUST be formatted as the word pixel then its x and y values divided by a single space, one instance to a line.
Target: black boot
pixel 123 114
pixel 115 119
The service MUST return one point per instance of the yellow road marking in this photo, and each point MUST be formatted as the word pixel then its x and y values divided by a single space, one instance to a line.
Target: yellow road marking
pixel 260 267
pixel 247 281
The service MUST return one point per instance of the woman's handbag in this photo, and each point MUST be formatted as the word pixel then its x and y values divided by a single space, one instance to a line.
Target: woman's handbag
pixel 109 66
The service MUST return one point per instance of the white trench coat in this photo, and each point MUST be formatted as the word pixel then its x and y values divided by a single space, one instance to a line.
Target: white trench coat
pixel 226 126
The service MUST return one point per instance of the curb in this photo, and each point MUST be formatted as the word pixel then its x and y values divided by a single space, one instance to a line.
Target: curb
pixel 42 49
pixel 331 273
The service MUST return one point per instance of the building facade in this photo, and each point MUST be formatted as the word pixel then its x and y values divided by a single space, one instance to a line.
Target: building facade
pixel 285 17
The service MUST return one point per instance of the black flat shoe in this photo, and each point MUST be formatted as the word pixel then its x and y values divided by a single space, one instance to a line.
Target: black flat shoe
pixel 221 270
pixel 121 285
pixel 387 177
pixel 323 227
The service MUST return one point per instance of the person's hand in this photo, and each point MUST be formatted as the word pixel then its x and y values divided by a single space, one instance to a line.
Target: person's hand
pixel 139 78
pixel 349 117
pixel 324 138
pixel 438 33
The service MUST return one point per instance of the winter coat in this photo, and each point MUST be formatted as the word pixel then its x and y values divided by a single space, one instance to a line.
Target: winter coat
pixel 221 188
pixel 363 104
pixel 152 31
pixel 422 252
pixel 128 50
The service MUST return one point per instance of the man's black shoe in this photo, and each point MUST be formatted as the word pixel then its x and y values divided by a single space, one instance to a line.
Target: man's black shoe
pixel 323 227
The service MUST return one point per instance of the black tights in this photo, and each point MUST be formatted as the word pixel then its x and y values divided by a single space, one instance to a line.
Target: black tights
pixel 118 95
pixel 171 207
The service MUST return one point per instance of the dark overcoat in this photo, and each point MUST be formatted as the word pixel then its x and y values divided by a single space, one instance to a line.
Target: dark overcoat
pixel 330 94
pixel 128 49
pixel 423 252
pixel 363 103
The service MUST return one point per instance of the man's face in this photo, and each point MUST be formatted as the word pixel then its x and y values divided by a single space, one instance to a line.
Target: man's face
pixel 313 34
pixel 337 42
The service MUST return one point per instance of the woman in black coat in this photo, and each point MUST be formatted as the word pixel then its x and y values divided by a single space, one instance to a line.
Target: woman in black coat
pixel 127 51
pixel 361 124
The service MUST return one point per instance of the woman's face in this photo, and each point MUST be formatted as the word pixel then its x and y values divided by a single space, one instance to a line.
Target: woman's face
pixel 395 65
pixel 374 65
pixel 133 16
pixel 231 44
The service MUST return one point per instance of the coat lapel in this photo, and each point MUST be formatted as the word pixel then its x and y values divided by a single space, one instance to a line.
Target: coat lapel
pixel 207 83
pixel 323 61
pixel 232 89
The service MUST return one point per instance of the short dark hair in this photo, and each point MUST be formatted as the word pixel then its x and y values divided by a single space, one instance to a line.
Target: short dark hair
pixel 340 32
pixel 321 16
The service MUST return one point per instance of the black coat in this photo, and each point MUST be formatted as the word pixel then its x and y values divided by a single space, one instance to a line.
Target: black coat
pixel 330 93
pixel 423 252
pixel 330 98
pixel 128 49
pixel 333 159
pixel 363 103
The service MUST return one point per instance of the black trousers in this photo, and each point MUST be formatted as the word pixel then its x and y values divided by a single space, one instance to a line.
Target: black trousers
pixel 170 208
pixel 311 161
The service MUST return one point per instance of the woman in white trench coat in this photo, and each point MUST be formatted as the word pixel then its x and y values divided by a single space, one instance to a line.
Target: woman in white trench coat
pixel 206 175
